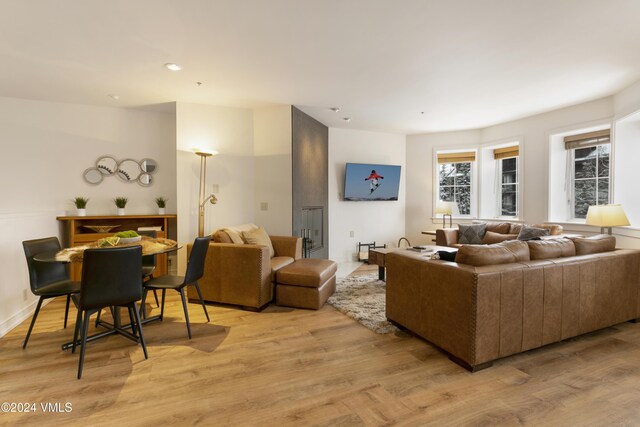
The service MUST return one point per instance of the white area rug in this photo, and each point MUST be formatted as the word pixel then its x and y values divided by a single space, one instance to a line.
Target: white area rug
pixel 363 298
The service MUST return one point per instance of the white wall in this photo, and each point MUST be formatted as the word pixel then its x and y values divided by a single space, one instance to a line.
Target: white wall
pixel 272 150
pixel 533 132
pixel 229 131
pixel 382 222
pixel 45 148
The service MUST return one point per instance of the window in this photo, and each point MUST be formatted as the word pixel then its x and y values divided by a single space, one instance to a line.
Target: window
pixel 509 187
pixel 590 154
pixel 455 179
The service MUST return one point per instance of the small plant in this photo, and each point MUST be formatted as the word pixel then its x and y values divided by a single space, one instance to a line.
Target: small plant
pixel 81 202
pixel 120 202
pixel 161 202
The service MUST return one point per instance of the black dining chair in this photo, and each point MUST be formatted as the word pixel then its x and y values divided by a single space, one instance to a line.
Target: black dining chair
pixel 47 279
pixel 195 270
pixel 149 262
pixel 110 278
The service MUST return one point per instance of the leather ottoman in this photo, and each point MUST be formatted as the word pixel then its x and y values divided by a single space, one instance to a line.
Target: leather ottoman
pixel 307 283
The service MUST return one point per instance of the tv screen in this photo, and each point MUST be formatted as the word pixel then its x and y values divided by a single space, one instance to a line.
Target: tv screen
pixel 371 182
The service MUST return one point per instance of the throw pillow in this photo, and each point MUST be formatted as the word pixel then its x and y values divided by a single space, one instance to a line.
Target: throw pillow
pixel 259 237
pixel 471 234
pixel 234 236
pixel 490 237
pixel 447 256
pixel 528 233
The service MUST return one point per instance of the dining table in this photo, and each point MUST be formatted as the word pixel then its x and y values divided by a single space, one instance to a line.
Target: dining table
pixel 150 246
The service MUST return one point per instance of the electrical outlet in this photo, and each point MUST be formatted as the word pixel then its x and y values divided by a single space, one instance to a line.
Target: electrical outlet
pixel 352 233
pixel 25 295
pixel 264 206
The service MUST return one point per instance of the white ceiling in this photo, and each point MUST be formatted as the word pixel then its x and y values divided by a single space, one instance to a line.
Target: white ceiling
pixel 464 63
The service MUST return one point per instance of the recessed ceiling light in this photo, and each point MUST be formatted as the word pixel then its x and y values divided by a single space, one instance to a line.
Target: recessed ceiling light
pixel 199 84
pixel 334 109
pixel 173 67
pixel 346 119
pixel 112 96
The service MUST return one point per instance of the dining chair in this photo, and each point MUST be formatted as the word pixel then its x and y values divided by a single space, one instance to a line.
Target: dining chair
pixel 110 278
pixel 47 279
pixel 149 262
pixel 195 270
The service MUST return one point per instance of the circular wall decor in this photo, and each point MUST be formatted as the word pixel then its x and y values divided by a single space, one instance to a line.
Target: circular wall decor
pixel 93 176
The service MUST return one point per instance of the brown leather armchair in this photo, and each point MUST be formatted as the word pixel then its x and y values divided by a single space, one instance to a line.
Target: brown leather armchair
pixel 243 274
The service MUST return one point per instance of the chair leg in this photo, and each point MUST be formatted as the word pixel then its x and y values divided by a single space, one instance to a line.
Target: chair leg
pixel 66 310
pixel 202 300
pixel 141 335
pixel 164 291
pixel 133 324
pixel 85 332
pixel 155 295
pixel 77 330
pixel 98 317
pixel 143 308
pixel 33 322
pixel 186 313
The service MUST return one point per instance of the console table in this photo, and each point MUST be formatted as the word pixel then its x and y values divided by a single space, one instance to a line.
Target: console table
pixel 76 233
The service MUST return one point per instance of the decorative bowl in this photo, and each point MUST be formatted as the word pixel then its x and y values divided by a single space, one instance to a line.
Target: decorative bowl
pixel 127 240
pixel 101 228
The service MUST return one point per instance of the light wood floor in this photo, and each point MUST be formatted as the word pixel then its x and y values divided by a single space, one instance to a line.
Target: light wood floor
pixel 299 367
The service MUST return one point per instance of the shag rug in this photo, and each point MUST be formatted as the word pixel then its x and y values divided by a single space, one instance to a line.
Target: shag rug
pixel 363 298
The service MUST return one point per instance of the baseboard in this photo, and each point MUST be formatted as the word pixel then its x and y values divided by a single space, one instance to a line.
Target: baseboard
pixel 24 314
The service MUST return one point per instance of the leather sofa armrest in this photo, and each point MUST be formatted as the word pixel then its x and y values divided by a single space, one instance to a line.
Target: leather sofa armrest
pixel 237 274
pixel 446 236
pixel 287 246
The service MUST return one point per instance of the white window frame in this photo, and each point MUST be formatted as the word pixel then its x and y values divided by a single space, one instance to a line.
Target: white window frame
pixel 572 186
pixel 501 185
pixel 474 182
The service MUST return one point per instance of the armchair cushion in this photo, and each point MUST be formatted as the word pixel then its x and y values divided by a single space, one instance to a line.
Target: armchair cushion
pixel 259 237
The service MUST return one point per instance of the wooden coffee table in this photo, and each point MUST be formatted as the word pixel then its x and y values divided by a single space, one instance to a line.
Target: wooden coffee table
pixel 378 257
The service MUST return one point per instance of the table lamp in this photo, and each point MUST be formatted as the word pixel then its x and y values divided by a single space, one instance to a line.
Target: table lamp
pixel 606 216
pixel 447 208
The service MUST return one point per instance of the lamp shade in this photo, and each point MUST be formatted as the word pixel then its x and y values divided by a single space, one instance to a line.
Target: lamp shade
pixel 447 208
pixel 607 216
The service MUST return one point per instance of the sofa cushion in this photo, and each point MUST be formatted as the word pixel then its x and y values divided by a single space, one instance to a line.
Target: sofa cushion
pixel 515 228
pixel 499 227
pixel 221 236
pixel 551 248
pixel 528 233
pixel 259 236
pixel 490 237
pixel 594 244
pixel 277 262
pixel 499 253
pixel 471 234
pixel 554 229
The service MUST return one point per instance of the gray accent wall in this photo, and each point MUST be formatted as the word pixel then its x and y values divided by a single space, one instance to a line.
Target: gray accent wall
pixel 310 170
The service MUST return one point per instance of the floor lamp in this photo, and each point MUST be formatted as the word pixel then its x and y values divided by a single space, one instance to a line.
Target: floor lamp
pixel 202 198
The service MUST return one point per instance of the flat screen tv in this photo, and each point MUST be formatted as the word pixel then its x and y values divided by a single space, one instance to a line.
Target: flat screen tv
pixel 363 182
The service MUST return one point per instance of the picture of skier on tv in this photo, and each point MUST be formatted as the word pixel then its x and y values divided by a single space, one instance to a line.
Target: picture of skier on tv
pixel 374 184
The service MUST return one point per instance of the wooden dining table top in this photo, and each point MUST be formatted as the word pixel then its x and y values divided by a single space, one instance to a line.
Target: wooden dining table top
pixel 150 246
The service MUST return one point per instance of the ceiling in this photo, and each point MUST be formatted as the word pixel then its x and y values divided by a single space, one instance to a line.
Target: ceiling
pixel 407 66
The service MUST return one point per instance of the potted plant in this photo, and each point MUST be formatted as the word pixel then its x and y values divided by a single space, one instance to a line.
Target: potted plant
pixel 120 202
pixel 162 204
pixel 81 205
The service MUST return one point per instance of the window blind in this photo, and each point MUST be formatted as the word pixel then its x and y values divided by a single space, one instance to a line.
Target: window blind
pixel 457 157
pixel 503 153
pixel 588 139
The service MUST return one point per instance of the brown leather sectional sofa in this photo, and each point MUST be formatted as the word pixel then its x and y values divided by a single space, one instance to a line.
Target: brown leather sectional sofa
pixel 503 299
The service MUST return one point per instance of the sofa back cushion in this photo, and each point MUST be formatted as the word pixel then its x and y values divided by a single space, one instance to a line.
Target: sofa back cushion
pixel 554 229
pixel 551 248
pixel 594 244
pixel 500 253
pixel 471 234
pixel 490 237
pixel 259 236
pixel 515 228
pixel 499 227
